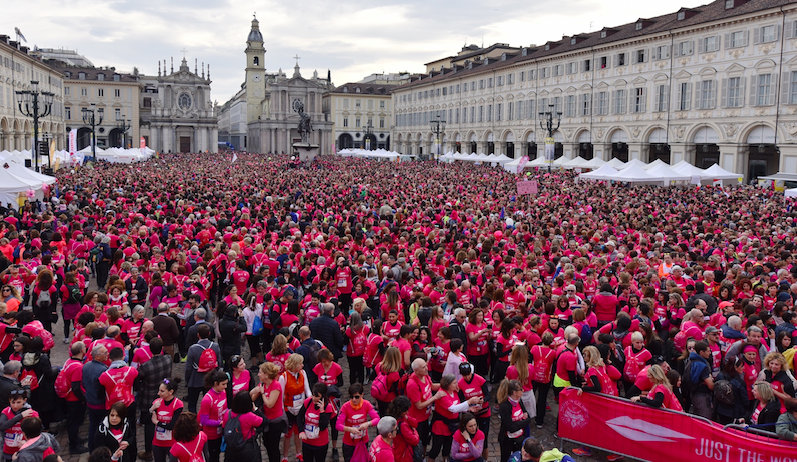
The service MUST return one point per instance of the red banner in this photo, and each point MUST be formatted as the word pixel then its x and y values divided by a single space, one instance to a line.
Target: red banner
pixel 639 431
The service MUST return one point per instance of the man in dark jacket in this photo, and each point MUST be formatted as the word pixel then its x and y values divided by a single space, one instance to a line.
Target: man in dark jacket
pixel 327 330
pixel 698 378
pixel 95 393
pixel 309 349
pixel 166 327
pixel 457 326
pixel 10 380
pixel 194 379
pixel 231 326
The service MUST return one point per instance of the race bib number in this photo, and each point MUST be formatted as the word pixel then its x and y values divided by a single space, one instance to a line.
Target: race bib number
pixel 162 434
pixel 14 440
pixel 311 431
pixel 342 282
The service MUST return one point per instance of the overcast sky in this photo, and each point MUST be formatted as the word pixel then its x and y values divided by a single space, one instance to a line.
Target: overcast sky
pixel 352 38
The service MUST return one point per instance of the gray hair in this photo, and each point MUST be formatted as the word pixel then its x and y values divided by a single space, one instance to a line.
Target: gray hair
pixel 162 307
pixel 752 329
pixel 735 322
pixel 573 340
pixel 138 308
pixel 12 367
pixel 386 425
pixel 459 311
pixel 417 364
pixel 328 308
pixel 98 350
pixel 356 320
pixel 200 313
pixel 113 331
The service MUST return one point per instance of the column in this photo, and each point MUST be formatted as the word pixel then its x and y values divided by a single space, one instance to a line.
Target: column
pixel 788 159
pixel 570 150
pixel 635 151
pixel 734 157
pixel 603 151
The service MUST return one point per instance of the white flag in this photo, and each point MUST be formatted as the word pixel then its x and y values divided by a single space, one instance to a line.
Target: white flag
pixel 234 156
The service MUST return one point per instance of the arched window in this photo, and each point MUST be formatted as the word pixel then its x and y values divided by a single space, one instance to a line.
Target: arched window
pixel 256 61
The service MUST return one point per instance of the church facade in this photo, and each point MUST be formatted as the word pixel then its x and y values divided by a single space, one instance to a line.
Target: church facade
pixel 272 102
pixel 177 112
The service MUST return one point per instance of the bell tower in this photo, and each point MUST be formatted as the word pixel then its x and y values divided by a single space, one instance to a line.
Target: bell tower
pixel 255 72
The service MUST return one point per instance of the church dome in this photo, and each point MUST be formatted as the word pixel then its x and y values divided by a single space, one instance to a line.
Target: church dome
pixel 254 34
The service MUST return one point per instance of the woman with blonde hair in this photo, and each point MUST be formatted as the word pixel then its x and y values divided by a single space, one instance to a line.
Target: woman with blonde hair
pixel 296 388
pixel 269 393
pixel 766 407
pixel 279 352
pixel 519 369
pixel 776 373
pixel 514 417
pixel 390 367
pixel 661 394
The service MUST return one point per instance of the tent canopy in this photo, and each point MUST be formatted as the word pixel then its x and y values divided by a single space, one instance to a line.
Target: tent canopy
pixel 603 173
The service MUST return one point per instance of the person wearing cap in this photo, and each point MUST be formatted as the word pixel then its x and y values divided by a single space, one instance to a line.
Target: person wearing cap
pixel 611 252
pixel 712 337
pixel 572 297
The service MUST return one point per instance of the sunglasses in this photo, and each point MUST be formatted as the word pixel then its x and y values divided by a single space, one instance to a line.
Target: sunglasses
pixel 18 392
pixel 6 290
pixel 356 396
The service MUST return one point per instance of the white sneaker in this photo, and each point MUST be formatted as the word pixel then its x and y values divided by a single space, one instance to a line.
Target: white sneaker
pixel 66 340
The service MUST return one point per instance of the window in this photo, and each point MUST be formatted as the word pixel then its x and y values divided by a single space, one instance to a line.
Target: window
pixel 544 105
pixel 557 104
pixel 641 56
pixel 585 104
pixel 603 103
pixel 737 39
pixel 370 104
pixel 570 106
pixel 499 111
pixel 768 34
pixel 100 92
pixel 728 4
pixel 510 79
pixel 519 110
pixel 500 82
pixel 603 34
pixel 481 113
pixel 117 93
pixel 530 114
pixel 586 65
pixel 619 59
pixel 437 92
pixel 684 48
pixel 117 114
pixel 457 88
pixel 370 122
pixel 619 102
pixel 681 15
pixel 472 114
pixel 533 74
pixel 66 91
pixel 762 90
pixel 100 76
pixel 490 82
pixel 708 95
pixel 147 102
pixel 573 41
pixel 709 44
pixel 67 113
pixel 489 113
pixel 345 102
pixel 522 76
pixel 456 115
pixel 84 92
pixel 639 26
pixel 733 89
pixel 255 61
pixel 684 96
pixel 357 103
pixel 544 73
pixel 639 101
pixel 660 99
pixel 481 84
pixel 345 121
pixel 473 85
pixel 572 68
pixel 604 62
pixel 357 122
pixel 81 75
pixel 558 70
pixel 661 52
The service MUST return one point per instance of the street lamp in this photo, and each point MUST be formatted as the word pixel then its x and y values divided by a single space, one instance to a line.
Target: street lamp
pixel 438 126
pixel 124 125
pixel 369 130
pixel 547 120
pixel 90 117
pixel 28 102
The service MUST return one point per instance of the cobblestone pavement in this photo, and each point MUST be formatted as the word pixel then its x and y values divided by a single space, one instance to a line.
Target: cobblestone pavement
pixel 546 435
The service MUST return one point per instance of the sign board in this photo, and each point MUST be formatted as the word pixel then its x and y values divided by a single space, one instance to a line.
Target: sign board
pixel 72 144
pixel 527 187
pixel 142 143
pixel 717 182
pixel 522 164
pixel 550 149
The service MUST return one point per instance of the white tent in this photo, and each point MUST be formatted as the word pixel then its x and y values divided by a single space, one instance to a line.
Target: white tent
pixel 27 174
pixel 593 163
pixel 718 173
pixel 616 163
pixel 603 173
pixel 688 169
pixel 790 192
pixel 666 172
pixel 538 162
pixel 578 162
pixel 502 159
pixel 559 162
pixel 636 174
pixel 655 163
pixel 638 163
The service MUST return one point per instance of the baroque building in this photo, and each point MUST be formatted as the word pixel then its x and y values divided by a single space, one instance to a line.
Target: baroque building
pixel 717 83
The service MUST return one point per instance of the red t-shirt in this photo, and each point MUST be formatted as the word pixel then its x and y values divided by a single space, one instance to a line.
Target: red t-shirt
pixel 190 451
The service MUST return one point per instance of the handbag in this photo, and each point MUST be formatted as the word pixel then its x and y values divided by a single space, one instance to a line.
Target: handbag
pixel 257 326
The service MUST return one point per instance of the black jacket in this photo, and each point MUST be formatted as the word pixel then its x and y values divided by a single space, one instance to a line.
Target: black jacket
pixel 231 326
pixel 768 415
pixel 327 330
pixel 103 437
pixel 458 331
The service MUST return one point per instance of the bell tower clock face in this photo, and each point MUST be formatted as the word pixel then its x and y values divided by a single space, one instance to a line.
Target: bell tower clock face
pixel 297 105
pixel 256 78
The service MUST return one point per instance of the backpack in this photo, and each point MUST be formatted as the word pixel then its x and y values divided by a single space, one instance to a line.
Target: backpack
pixel 207 360
pixel 417 450
pixel 313 355
pixel 618 346
pixel 402 383
pixel 75 295
pixel 257 326
pixel 44 299
pixel 723 392
pixel 121 392
pixel 379 388
pixel 234 435
pixel 62 385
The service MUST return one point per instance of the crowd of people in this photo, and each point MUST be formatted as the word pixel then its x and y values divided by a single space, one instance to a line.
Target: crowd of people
pixel 452 298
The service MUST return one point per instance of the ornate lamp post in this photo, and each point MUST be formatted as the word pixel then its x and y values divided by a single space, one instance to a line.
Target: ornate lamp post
pixel 547 124
pixel 93 116
pixel 369 130
pixel 124 125
pixel 438 126
pixel 28 102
